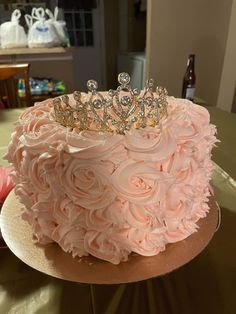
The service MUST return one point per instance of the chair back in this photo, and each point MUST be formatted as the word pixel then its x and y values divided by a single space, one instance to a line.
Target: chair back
pixel 9 74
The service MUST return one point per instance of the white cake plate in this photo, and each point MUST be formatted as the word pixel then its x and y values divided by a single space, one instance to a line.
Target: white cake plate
pixel 53 261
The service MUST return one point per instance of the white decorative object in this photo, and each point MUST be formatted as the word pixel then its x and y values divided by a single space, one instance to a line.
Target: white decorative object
pixel 42 33
pixel 58 24
pixel 12 34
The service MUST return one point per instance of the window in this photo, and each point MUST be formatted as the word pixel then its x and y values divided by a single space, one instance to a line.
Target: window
pixel 80 27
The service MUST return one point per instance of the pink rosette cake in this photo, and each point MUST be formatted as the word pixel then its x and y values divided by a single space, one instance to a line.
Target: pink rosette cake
pixel 107 193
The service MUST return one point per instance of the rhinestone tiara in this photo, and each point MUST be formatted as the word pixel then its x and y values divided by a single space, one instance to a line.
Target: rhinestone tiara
pixel 114 111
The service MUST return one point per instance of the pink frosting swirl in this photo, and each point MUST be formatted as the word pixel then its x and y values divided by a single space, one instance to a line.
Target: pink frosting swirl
pixel 109 248
pixel 186 120
pixel 140 182
pixel 150 144
pixel 87 183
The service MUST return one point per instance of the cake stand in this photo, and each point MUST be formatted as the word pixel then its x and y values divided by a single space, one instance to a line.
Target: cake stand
pixel 53 261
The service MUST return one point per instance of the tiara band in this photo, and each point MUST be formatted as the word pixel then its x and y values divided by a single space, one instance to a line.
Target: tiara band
pixel 114 111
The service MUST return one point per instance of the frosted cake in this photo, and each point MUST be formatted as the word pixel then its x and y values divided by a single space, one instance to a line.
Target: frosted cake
pixel 111 173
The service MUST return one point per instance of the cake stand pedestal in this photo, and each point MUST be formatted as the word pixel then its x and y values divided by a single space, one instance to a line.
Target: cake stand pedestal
pixel 53 261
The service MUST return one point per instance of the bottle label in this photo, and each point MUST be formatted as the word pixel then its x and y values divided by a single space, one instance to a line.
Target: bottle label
pixel 190 91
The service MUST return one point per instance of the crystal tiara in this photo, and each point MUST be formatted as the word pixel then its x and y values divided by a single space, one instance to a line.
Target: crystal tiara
pixel 114 111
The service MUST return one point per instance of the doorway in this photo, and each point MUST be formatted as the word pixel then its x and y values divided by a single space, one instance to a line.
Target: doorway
pixel 86 36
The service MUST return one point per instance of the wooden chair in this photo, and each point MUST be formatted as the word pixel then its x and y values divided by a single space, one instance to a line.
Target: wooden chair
pixel 9 87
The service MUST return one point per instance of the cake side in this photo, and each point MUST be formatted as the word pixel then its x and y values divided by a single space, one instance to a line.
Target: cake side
pixel 108 194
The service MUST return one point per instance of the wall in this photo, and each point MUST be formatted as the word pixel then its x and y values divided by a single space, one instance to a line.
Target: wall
pixel 227 90
pixel 178 28
pixel 132 27
pixel 111 24
pixel 123 32
pixel 136 28
pixel 89 60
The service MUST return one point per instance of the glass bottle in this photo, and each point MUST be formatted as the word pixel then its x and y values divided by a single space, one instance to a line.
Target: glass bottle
pixel 189 80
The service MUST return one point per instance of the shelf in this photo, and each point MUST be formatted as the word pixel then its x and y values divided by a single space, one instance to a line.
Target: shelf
pixel 29 51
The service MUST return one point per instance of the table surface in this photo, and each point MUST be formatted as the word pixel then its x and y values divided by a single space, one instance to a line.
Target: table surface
pixel 205 285
pixel 225 153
